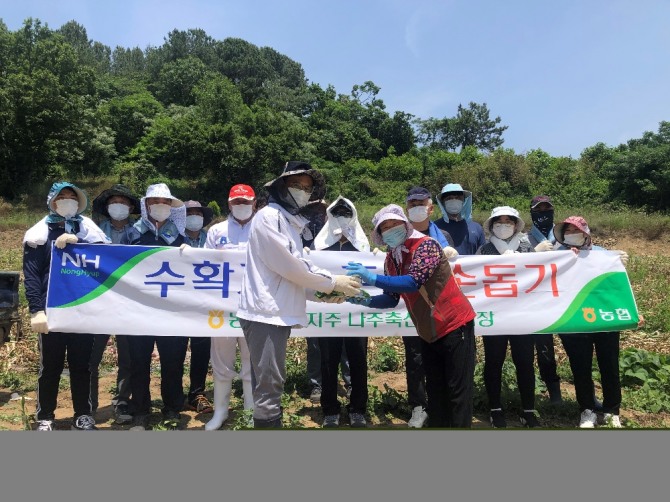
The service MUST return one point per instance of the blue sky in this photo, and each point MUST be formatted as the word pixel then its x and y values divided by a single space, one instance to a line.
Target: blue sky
pixel 562 75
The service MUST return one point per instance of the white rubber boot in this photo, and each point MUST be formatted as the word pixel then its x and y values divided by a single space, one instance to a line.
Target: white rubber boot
pixel 222 390
pixel 248 395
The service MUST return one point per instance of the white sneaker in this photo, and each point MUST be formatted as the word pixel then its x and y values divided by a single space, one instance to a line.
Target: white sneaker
pixel 45 425
pixel 613 421
pixel 588 419
pixel 419 417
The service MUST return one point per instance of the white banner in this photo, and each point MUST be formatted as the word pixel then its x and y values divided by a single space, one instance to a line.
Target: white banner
pixel 146 290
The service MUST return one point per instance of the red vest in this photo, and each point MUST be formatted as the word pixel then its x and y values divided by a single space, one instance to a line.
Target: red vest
pixel 447 307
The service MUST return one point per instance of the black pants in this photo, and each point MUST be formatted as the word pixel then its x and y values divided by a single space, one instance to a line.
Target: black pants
pixel 416 375
pixel 331 354
pixel 449 363
pixel 172 352
pixel 200 351
pixel 579 348
pixel 314 364
pixel 54 348
pixel 546 358
pixel 495 351
pixel 123 369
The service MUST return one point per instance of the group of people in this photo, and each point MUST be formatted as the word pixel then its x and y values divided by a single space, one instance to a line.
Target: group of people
pixel 280 278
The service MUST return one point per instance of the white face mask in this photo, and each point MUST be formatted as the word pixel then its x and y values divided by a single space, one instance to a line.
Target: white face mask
pixel 67 208
pixel 503 230
pixel 417 214
pixel 300 196
pixel 574 239
pixel 453 206
pixel 194 222
pixel 242 212
pixel 118 211
pixel 160 212
pixel 343 221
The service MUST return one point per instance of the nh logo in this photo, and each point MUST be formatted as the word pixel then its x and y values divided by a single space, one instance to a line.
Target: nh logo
pixel 80 261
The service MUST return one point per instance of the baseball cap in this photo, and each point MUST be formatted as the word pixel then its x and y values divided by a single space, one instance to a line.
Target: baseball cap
pixel 241 192
pixel 418 193
pixel 539 199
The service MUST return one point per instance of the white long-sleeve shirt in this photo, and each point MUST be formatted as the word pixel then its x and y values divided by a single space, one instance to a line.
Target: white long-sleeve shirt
pixel 227 234
pixel 276 274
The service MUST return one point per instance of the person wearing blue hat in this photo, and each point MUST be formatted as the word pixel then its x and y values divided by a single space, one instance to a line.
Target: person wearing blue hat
pixel 456 206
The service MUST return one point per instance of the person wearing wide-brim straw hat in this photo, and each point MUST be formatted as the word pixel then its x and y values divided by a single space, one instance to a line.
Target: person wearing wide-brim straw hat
pixel 276 283
pixel 162 224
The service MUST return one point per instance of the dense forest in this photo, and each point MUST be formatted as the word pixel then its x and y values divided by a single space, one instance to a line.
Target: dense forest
pixel 204 114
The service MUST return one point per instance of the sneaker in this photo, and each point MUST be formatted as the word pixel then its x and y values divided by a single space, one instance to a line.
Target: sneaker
pixel 357 420
pixel 331 421
pixel 419 417
pixel 315 396
pixel 172 420
pixel 122 415
pixel 45 425
pixel 498 419
pixel 613 421
pixel 84 423
pixel 529 420
pixel 587 420
pixel 140 423
pixel 201 405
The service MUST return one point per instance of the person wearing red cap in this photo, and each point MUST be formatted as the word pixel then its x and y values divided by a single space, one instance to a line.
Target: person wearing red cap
pixel 231 234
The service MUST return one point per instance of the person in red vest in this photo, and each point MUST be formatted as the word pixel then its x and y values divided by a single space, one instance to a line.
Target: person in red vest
pixel 417 270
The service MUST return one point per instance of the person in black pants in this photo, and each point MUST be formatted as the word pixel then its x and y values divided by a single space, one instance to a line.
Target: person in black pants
pixel 62 226
pixel 343 232
pixel 162 224
pixel 504 227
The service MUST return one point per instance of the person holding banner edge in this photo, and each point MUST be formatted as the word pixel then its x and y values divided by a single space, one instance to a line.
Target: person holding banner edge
pixel 62 226
pixel 417 269
pixel 276 283
pixel 162 224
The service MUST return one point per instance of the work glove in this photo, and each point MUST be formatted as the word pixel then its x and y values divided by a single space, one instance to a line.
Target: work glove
pixel 544 246
pixel 38 322
pixel 64 240
pixel 360 300
pixel 305 250
pixel 349 286
pixel 450 253
pixel 623 255
pixel 375 251
pixel 362 272
pixel 183 248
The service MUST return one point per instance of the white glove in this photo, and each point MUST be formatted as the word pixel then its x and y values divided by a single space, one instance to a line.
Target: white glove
pixel 64 240
pixel 183 247
pixel 450 253
pixel 375 251
pixel 544 246
pixel 38 322
pixel 623 255
pixel 305 250
pixel 346 284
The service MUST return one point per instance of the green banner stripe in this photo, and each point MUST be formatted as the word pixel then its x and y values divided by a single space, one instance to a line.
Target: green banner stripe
pixel 113 278
pixel 619 279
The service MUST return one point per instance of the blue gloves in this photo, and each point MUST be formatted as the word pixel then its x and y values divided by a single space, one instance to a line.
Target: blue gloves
pixel 359 300
pixel 358 269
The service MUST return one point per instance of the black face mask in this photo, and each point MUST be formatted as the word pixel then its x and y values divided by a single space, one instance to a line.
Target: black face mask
pixel 543 220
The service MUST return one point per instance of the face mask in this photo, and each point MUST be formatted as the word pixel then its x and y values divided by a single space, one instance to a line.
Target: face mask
pixel 417 213
pixel 242 212
pixel 67 208
pixel 160 212
pixel 194 222
pixel 576 240
pixel 543 220
pixel 343 221
pixel 503 230
pixel 453 206
pixel 118 211
pixel 395 236
pixel 300 196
